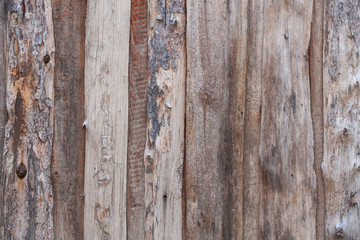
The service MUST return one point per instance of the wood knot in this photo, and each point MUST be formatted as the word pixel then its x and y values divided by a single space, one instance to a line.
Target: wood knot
pixel 46 58
pixel 21 171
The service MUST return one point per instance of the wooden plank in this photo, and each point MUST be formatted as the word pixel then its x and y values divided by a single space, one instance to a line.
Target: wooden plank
pixel 67 165
pixel 252 170
pixel 164 152
pixel 29 133
pixel 3 113
pixel 215 106
pixel 288 195
pixel 317 114
pixel 138 79
pixel 341 162
pixel 106 110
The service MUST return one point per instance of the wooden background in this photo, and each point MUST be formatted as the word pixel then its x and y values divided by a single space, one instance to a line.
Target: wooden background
pixel 167 119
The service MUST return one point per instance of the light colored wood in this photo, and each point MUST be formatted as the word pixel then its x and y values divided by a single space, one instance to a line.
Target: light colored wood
pixel 68 156
pixel 341 164
pixel 288 195
pixel 106 112
pixel 215 106
pixel 29 133
pixel 164 153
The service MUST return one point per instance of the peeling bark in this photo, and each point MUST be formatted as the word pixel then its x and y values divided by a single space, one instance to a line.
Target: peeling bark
pixel 28 201
pixel 164 152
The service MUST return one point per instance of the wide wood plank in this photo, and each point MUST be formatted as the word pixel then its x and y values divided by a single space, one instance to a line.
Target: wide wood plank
pixel 215 106
pixel 106 118
pixel 288 195
pixel 341 162
pixel 29 131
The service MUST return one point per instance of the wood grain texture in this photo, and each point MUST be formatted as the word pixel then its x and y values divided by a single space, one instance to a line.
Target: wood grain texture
pixel 341 163
pixel 215 106
pixel 317 113
pixel 106 110
pixel 288 195
pixel 68 158
pixel 164 152
pixel 29 132
pixel 252 170
pixel 3 113
pixel 138 79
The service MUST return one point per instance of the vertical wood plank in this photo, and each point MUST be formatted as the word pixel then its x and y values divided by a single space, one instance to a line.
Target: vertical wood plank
pixel 215 106
pixel 317 113
pixel 164 152
pixel 3 113
pixel 29 132
pixel 341 162
pixel 252 170
pixel 138 79
pixel 106 110
pixel 67 166
pixel 288 196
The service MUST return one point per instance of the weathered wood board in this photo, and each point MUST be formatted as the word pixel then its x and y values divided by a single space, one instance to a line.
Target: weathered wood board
pixel 106 118
pixel 28 198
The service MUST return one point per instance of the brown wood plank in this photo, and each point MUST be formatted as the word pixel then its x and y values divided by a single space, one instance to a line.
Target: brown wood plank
pixel 341 162
pixel 3 113
pixel 67 166
pixel 215 106
pixel 29 131
pixel 138 79
pixel 288 195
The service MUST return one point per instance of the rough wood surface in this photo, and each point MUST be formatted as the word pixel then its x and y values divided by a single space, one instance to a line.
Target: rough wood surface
pixel 215 105
pixel 106 123
pixel 138 79
pixel 288 195
pixel 28 138
pixel 317 113
pixel 67 165
pixel 164 152
pixel 341 119
pixel 252 170
pixel 3 113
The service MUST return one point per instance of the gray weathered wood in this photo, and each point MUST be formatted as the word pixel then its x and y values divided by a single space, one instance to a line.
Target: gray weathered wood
pixel 288 195
pixel 106 122
pixel 28 199
pixel 341 162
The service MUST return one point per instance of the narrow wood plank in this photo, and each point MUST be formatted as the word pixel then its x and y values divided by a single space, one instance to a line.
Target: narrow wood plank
pixel 288 195
pixel 138 79
pixel 164 152
pixel 215 106
pixel 252 170
pixel 317 113
pixel 106 110
pixel 341 163
pixel 67 165
pixel 29 132
pixel 3 113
